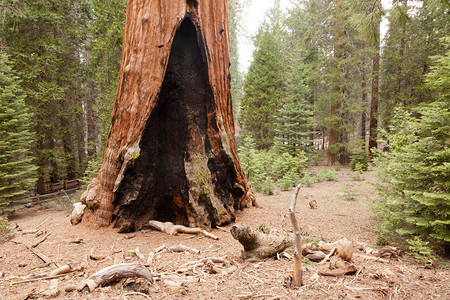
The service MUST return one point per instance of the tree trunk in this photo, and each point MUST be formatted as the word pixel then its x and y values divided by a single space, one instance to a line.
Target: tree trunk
pixel 363 102
pixel 373 122
pixel 171 153
pixel 332 152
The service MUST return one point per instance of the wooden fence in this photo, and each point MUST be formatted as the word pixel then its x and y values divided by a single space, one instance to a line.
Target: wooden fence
pixel 53 190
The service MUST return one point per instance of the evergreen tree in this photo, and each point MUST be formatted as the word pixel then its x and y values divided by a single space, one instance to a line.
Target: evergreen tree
pixel 415 174
pixel 294 127
pixel 104 50
pixel 17 171
pixel 412 38
pixel 44 39
pixel 264 83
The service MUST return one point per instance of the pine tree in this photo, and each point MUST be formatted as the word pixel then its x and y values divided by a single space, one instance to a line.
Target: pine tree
pixel 44 40
pixel 416 174
pixel 264 83
pixel 17 171
pixel 294 127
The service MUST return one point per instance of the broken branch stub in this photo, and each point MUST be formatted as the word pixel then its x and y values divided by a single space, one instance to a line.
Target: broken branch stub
pixel 297 279
pixel 257 244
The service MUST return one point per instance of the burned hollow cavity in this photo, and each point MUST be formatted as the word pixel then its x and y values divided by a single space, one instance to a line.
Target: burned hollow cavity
pixel 177 177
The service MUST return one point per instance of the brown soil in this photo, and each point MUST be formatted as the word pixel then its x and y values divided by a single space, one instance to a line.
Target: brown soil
pixel 335 218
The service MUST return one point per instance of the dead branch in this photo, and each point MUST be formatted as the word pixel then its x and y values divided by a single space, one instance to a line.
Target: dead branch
pixel 43 257
pixel 37 279
pixel 327 258
pixel 344 248
pixel 347 270
pixel 138 293
pixel 257 244
pixel 373 258
pixel 297 279
pixel 61 270
pixel 40 240
pixel 183 248
pixel 114 273
pixel 172 229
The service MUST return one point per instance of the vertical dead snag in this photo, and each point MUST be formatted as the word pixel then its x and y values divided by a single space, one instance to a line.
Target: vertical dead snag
pixel 297 279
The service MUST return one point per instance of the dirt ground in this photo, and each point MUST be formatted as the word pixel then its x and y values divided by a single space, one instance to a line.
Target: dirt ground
pixel 336 217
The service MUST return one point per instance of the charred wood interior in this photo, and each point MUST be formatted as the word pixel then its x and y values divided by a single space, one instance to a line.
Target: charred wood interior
pixel 177 173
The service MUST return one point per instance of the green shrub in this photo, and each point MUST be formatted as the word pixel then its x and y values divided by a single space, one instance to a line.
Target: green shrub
pixel 264 167
pixel 350 193
pixel 356 175
pixel 5 230
pixel 267 187
pixel 326 175
pixel 415 175
pixel 263 228
pixel 308 180
pixel 360 162
pixel 420 249
pixel 288 181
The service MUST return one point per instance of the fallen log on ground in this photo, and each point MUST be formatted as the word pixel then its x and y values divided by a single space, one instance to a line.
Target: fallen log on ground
pixel 114 273
pixel 172 229
pixel 259 245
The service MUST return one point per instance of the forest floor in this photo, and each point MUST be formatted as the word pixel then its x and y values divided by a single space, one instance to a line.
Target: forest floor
pixel 336 217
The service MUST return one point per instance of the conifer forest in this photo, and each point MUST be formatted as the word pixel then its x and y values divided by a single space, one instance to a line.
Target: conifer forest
pixel 361 86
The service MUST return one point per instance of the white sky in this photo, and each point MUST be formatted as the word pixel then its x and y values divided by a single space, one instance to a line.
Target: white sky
pixel 254 15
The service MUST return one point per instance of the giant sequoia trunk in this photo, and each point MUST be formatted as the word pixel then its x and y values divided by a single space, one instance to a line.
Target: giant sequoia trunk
pixel 171 153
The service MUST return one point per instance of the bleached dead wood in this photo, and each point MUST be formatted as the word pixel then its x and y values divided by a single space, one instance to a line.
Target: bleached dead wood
pixel 61 270
pixel 77 213
pixel 42 256
pixel 52 290
pixel 114 273
pixel 259 245
pixel 37 279
pixel 297 279
pixel 172 229
pixel 35 244
pixel 343 247
pixel 183 248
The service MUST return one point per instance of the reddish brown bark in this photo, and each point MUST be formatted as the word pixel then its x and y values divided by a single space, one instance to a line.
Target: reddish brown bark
pixel 332 152
pixel 171 153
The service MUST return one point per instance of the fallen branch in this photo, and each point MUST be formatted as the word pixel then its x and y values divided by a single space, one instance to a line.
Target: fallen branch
pixel 137 293
pixel 347 270
pixel 114 273
pixel 172 229
pixel 327 258
pixel 297 279
pixel 257 244
pixel 183 248
pixel 40 240
pixel 374 258
pixel 43 257
pixel 37 279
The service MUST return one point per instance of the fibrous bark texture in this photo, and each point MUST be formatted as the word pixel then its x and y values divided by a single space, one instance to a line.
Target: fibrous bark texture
pixel 171 154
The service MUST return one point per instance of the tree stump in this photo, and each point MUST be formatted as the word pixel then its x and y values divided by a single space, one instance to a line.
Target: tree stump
pixel 171 155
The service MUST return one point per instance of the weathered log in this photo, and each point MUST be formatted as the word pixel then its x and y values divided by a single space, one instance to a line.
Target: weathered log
pixel 171 153
pixel 172 229
pixel 114 273
pixel 259 245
